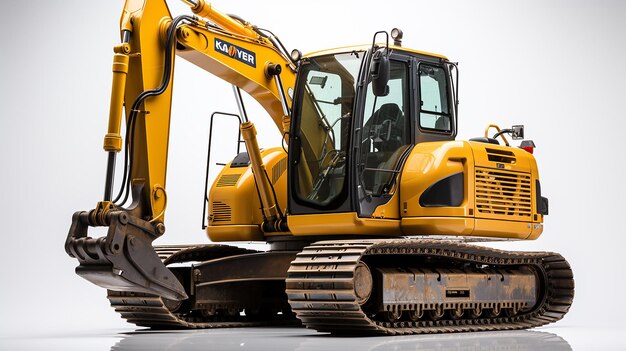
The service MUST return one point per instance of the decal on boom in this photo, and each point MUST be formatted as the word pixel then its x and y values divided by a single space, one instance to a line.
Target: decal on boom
pixel 238 53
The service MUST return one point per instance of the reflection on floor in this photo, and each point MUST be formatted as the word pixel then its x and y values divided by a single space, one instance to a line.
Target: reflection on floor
pixel 306 340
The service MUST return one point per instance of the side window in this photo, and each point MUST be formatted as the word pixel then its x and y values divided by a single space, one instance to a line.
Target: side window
pixel 433 104
pixel 385 133
pixel 326 89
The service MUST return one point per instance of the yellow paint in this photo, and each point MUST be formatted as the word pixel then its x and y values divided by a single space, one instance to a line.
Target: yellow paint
pixel 341 224
pixel 506 210
pixel 390 210
pixel 462 226
pixel 240 195
pixel 248 133
pixel 235 208
pixel 200 51
pixel 235 233
pixel 403 215
pixel 501 228
pixel 113 139
pixel 147 21
pixel 429 163
pixel 206 10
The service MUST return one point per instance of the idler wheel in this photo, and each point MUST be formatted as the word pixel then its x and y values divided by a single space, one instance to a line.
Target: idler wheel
pixel 363 283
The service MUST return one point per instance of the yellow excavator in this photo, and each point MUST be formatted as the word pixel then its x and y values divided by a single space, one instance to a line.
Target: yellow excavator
pixel 367 206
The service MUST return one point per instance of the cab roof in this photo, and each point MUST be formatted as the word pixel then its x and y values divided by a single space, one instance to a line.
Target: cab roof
pixel 345 49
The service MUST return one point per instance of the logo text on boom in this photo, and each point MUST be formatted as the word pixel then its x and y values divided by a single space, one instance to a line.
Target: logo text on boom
pixel 238 53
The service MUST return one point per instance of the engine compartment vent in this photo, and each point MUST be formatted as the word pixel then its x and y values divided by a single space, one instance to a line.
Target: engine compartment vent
pixel 279 168
pixel 501 156
pixel 221 212
pixel 228 180
pixel 503 193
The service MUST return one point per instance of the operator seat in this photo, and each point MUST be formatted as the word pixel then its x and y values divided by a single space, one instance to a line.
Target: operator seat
pixel 389 113
pixel 443 123
pixel 388 131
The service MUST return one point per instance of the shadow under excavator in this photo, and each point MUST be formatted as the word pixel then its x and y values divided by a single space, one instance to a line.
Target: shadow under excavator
pixel 275 339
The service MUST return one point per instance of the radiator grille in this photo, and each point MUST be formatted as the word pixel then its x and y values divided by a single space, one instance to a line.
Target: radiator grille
pixel 221 212
pixel 228 180
pixel 503 193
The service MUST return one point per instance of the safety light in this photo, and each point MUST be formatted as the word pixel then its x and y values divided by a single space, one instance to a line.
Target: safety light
pixel 296 55
pixel 396 35
pixel 527 145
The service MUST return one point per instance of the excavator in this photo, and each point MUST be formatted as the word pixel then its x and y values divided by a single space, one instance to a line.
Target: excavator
pixel 368 207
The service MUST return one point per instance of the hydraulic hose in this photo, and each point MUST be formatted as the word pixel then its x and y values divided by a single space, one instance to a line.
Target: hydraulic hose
pixel 130 126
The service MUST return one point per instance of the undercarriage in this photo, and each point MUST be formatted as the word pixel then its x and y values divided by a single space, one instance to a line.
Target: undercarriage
pixel 398 286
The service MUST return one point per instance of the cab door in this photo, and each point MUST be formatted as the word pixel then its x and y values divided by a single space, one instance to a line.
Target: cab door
pixel 385 135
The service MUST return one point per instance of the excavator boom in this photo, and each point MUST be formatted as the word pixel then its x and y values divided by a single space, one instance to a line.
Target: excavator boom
pixel 142 82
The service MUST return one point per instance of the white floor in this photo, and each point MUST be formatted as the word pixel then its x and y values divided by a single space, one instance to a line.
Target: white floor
pixel 274 339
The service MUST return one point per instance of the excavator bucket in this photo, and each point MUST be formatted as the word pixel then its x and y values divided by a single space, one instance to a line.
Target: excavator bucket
pixel 124 260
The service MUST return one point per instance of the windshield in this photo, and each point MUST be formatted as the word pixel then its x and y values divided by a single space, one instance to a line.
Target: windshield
pixel 327 86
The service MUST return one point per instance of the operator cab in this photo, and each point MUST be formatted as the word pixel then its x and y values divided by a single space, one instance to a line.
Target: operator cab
pixel 351 132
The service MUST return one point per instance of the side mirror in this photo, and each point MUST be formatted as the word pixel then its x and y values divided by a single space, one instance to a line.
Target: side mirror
pixel 518 132
pixel 379 69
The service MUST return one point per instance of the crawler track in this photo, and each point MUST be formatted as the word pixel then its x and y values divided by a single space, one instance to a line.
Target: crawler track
pixel 320 286
pixel 152 311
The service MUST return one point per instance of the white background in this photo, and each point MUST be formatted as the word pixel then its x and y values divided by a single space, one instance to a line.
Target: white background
pixel 555 66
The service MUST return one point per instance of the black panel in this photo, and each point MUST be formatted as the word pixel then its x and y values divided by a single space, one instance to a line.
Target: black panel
pixel 485 140
pixel 464 293
pixel 448 191
pixel 542 202
pixel 544 206
pixel 241 160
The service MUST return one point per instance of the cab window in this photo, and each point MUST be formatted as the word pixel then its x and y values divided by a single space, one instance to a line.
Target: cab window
pixel 434 108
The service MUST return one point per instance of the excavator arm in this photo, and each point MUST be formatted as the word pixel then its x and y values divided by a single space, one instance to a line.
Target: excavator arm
pixel 141 94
